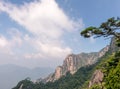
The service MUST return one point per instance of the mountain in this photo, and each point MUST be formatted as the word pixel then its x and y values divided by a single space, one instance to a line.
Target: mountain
pixel 104 74
pixel 73 62
pixel 11 74
pixel 107 74
pixel 74 72
pixel 98 70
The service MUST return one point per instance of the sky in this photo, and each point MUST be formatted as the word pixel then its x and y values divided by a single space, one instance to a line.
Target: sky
pixel 41 33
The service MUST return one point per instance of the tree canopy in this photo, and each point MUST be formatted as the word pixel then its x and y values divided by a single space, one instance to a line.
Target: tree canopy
pixel 107 29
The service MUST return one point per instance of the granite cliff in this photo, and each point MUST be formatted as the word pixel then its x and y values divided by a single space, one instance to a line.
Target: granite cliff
pixel 97 78
pixel 73 62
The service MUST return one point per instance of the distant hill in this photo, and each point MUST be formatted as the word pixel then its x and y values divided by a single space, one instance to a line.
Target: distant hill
pixel 10 74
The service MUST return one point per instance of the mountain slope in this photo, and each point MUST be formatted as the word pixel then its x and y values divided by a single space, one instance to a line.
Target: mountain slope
pixel 94 75
pixel 73 62
pixel 65 82
pixel 69 80
pixel 110 68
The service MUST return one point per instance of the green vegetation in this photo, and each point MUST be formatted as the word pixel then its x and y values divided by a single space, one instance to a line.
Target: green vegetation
pixel 111 66
pixel 112 74
pixel 79 80
pixel 107 29
pixel 108 64
pixel 66 82
pixel 111 70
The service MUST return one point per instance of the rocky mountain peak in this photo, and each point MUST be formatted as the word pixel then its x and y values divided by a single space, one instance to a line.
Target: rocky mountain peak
pixel 73 62
pixel 69 64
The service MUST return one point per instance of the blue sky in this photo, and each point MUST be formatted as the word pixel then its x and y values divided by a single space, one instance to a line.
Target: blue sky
pixel 40 33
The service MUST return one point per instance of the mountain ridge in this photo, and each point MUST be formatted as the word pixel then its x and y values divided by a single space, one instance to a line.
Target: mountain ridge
pixel 73 62
pixel 82 78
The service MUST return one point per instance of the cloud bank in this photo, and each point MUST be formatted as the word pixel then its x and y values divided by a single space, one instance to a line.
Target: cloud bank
pixel 44 23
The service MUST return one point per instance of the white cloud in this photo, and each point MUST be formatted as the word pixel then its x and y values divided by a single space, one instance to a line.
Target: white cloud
pixel 40 18
pixel 4 46
pixel 7 45
pixel 3 41
pixel 47 23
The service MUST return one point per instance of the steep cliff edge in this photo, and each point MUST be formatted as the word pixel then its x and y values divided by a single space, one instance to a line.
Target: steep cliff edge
pixel 106 76
pixel 97 78
pixel 73 62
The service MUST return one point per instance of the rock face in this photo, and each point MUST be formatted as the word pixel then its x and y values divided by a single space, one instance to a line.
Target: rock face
pixel 73 62
pixel 21 86
pixel 102 52
pixel 55 76
pixel 113 47
pixel 97 78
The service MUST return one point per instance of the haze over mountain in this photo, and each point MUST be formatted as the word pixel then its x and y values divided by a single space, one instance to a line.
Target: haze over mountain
pixel 11 74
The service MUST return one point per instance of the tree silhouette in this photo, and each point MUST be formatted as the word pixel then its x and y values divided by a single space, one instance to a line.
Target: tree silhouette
pixel 107 29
